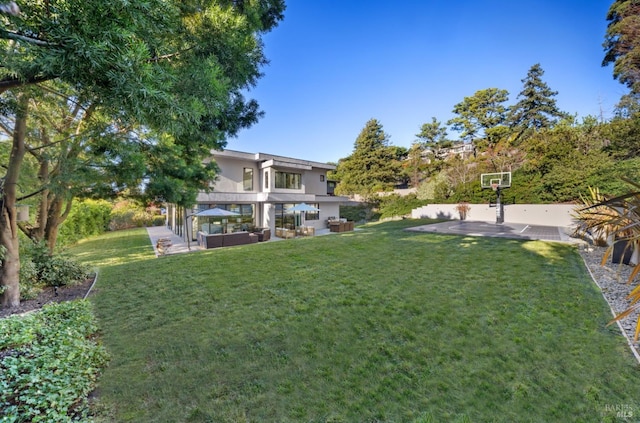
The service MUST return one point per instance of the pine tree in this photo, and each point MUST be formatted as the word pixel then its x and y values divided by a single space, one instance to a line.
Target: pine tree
pixel 479 114
pixel 536 108
pixel 371 167
pixel 622 43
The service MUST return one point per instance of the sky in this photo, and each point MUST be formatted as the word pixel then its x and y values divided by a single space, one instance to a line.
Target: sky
pixel 336 64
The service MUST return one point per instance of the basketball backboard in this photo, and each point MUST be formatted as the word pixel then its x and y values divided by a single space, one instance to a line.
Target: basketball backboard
pixel 495 180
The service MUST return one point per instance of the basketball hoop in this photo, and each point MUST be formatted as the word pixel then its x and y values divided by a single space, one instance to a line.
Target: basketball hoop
pixel 497 182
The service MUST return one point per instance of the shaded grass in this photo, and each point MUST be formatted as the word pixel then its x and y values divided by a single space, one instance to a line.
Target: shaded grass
pixel 376 325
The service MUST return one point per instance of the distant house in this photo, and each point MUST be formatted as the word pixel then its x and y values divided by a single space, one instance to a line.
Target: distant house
pixel 462 150
pixel 261 188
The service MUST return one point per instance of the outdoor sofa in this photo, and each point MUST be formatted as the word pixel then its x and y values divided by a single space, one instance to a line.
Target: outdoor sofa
pixel 233 238
pixel 341 225
pixel 227 240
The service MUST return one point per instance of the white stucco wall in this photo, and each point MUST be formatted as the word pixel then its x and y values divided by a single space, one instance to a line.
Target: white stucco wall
pixel 532 214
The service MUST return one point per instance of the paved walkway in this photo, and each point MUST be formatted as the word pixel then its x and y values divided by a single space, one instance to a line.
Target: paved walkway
pixel 503 230
pixel 178 245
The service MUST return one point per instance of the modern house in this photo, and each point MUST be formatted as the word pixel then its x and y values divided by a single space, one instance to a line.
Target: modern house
pixel 261 189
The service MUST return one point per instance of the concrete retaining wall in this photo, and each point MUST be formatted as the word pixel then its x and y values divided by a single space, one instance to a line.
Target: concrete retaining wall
pixel 531 214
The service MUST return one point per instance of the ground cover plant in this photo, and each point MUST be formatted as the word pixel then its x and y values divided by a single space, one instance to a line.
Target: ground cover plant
pixel 49 363
pixel 374 325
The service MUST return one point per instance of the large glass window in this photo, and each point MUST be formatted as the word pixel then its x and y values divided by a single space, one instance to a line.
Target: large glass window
pixel 288 180
pixel 243 221
pixel 290 220
pixel 285 219
pixel 312 215
pixel 247 179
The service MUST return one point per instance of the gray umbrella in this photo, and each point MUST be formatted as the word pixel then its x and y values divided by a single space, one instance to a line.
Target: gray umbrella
pixel 216 211
pixel 303 207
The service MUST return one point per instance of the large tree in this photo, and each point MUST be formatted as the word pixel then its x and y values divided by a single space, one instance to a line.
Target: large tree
pixel 372 167
pixel 536 108
pixel 432 133
pixel 622 42
pixel 481 115
pixel 178 68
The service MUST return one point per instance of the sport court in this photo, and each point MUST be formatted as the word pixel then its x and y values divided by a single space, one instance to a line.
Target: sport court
pixel 499 230
pixel 499 181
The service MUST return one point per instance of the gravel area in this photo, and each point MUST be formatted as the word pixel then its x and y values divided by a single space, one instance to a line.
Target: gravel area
pixel 612 280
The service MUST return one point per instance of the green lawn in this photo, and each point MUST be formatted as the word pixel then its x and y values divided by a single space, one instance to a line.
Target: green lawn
pixel 376 325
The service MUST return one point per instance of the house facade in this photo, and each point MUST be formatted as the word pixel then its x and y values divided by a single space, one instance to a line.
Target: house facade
pixel 462 150
pixel 261 189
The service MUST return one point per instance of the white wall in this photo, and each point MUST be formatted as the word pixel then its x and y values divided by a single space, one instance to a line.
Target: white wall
pixel 327 210
pixel 532 214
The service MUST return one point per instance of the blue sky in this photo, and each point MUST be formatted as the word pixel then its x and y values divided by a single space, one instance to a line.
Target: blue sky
pixel 335 64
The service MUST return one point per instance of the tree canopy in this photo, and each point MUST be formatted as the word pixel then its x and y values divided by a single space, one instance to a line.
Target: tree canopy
pixel 372 166
pixel 622 42
pixel 536 108
pixel 480 113
pixel 432 133
pixel 167 64
pixel 165 81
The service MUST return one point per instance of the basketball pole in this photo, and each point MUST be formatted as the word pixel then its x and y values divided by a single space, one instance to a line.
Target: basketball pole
pixel 499 207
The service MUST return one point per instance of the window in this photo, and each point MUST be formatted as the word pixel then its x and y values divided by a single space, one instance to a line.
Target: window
pixel 266 179
pixel 289 219
pixel 331 186
pixel 288 180
pixel 247 179
pixel 321 178
pixel 312 215
pixel 223 224
pixel 285 219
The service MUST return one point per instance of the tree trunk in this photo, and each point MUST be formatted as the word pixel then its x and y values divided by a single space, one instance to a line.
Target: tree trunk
pixel 43 177
pixel 10 270
pixel 54 220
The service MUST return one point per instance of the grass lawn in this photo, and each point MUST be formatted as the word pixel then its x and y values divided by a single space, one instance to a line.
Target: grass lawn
pixel 375 325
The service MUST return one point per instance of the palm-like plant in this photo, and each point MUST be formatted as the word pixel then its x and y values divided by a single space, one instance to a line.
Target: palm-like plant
pixel 595 219
pixel 616 219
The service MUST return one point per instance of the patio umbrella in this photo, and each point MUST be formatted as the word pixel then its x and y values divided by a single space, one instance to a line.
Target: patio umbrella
pixel 303 207
pixel 216 212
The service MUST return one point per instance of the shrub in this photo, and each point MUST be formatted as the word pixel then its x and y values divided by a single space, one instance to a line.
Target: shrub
pixel 39 268
pixel 121 219
pixel 396 205
pixel 29 285
pixel 595 221
pixel 128 214
pixel 618 218
pixel 463 209
pixel 360 213
pixel 87 218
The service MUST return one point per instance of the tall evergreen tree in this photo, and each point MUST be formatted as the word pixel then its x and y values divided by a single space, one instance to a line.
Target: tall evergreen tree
pixel 628 106
pixel 372 166
pixel 536 108
pixel 622 42
pixel 432 133
pixel 415 164
pixel 479 114
pixel 433 137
